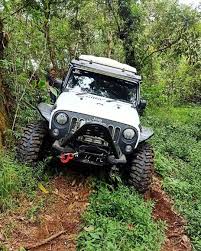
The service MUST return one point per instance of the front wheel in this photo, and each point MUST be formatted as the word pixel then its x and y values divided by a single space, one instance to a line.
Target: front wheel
pixel 141 167
pixel 31 146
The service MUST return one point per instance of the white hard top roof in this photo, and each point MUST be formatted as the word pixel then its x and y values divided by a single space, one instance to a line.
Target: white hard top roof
pixel 108 62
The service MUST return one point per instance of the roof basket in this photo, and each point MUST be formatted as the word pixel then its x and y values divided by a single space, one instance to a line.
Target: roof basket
pixel 108 62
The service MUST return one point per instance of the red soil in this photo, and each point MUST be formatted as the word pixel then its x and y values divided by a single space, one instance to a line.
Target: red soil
pixel 63 210
pixel 176 239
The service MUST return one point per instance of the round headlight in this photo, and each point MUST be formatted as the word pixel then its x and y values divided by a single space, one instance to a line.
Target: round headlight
pixel 61 118
pixel 129 134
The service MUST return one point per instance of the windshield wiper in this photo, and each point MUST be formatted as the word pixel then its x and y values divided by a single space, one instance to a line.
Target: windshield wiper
pixel 111 100
pixel 81 93
pixel 115 100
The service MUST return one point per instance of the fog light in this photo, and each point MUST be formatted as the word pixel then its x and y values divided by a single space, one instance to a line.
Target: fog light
pixel 55 132
pixel 128 149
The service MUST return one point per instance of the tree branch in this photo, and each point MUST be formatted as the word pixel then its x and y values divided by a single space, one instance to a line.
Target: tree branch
pixel 18 10
pixel 169 45
pixel 114 15
pixel 25 88
pixel 45 241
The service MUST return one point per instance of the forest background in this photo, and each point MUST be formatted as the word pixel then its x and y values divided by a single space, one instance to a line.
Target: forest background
pixel 162 39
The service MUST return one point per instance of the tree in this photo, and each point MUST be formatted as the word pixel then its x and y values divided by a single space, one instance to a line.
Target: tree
pixel 3 96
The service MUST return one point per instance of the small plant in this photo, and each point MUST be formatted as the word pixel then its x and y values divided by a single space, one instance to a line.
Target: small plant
pixel 16 180
pixel 120 220
pixel 35 209
pixel 8 229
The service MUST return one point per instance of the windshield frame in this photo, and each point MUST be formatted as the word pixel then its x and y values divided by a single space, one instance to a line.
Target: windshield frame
pixel 134 84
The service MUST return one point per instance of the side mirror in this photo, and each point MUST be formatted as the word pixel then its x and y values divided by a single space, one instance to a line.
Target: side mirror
pixel 58 84
pixel 142 105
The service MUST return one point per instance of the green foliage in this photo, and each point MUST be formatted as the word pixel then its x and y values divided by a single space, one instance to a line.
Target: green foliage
pixel 56 31
pixel 42 84
pixel 120 220
pixel 177 146
pixel 162 38
pixel 16 180
pixel 34 210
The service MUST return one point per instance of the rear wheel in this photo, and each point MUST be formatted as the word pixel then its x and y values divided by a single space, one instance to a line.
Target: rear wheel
pixel 32 145
pixel 141 168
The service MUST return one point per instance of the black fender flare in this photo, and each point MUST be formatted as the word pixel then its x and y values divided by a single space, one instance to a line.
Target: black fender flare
pixel 145 134
pixel 45 110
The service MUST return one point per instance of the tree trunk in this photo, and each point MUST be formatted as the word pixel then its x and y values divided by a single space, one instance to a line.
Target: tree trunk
pixel 109 44
pixel 129 24
pixel 3 99
pixel 51 49
pixel 50 46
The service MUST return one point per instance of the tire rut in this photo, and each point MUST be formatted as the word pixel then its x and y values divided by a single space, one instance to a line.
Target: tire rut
pixel 176 238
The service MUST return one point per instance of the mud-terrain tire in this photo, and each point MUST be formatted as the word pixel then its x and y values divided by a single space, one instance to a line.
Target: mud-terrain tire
pixel 141 167
pixel 32 145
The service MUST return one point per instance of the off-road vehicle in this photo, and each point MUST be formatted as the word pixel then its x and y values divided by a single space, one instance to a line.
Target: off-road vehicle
pixel 95 120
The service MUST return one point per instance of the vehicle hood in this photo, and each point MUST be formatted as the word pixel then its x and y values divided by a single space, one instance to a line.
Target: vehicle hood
pixel 99 107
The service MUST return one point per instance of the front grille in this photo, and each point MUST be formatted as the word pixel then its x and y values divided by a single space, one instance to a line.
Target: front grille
pixel 76 123
pixel 73 125
pixel 117 134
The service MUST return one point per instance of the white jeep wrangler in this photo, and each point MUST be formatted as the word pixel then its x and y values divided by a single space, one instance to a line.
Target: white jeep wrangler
pixel 95 120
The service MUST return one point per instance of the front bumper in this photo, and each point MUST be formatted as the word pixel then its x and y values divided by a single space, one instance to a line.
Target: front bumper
pixel 91 153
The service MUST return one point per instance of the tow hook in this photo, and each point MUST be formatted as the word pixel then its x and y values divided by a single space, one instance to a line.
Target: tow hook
pixel 67 157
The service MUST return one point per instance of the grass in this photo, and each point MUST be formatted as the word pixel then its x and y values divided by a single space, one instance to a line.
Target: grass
pixel 120 220
pixel 18 192
pixel 177 144
pixel 16 181
pixel 33 211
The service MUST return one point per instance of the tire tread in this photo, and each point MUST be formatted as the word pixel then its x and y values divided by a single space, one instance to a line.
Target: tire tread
pixel 141 168
pixel 29 146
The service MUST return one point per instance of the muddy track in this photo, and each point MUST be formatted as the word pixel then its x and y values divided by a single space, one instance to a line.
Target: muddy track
pixel 176 239
pixel 60 219
pixel 61 216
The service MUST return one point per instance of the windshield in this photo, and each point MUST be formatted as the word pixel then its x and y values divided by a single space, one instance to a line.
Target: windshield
pixel 88 82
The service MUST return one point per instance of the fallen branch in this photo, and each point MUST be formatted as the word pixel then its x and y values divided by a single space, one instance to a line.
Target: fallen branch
pixel 45 241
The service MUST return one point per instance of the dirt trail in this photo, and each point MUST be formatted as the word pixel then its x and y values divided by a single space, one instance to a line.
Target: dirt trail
pixel 63 210
pixel 176 239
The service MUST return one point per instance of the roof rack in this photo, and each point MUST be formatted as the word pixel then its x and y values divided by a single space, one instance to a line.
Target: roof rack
pixel 108 67
pixel 107 62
